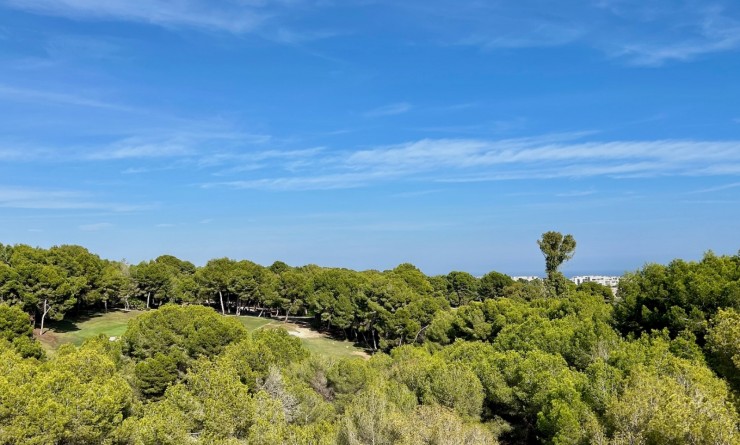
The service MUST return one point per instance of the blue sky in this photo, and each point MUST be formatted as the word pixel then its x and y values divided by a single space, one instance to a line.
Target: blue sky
pixel 365 133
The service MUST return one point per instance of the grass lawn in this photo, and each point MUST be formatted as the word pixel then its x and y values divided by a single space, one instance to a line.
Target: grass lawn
pixel 314 341
pixel 76 331
pixel 333 348
pixel 253 323
pixel 114 323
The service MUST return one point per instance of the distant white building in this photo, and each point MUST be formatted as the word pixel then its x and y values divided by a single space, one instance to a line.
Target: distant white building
pixel 601 279
pixel 528 278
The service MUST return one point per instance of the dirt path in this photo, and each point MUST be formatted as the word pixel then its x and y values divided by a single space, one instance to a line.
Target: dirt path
pixel 302 332
pixel 314 337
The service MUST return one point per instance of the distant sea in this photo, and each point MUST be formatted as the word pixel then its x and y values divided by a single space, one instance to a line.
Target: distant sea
pixel 571 273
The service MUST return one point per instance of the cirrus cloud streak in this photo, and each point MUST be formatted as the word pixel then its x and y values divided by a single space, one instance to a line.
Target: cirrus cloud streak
pixel 473 160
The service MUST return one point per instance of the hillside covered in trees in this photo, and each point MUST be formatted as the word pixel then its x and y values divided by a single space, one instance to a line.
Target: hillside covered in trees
pixel 457 359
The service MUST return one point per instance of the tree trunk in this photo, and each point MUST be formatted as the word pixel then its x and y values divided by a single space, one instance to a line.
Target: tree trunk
pixel 43 316
pixel 221 297
pixel 416 338
pixel 105 304
pixel 286 315
pixel 148 295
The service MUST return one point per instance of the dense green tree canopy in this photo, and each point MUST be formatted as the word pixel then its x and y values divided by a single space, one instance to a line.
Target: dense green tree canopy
pixel 557 249
pixel 680 296
pixel 187 332
pixel 456 359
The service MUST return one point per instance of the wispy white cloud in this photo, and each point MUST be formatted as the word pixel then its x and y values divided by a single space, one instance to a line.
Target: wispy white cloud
pixel 668 30
pixel 389 110
pixel 21 154
pixel 415 193
pixel 51 97
pixel 576 193
pixel 728 169
pixel 136 148
pixel 141 125
pixel 69 48
pixel 431 153
pixel 196 144
pixel 320 182
pixel 475 160
pixel 58 199
pixel 238 157
pixel 671 32
pixel 528 34
pixel 169 149
pixel 245 160
pixel 453 107
pixel 713 202
pixel 19 197
pixel 711 37
pixel 143 170
pixel 496 25
pixel 718 188
pixel 231 16
pixel 636 32
pixel 266 18
pixel 95 227
pixel 491 127
pixel 294 37
pixel 399 226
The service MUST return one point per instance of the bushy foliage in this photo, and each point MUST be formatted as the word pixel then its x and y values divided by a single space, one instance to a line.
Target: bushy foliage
pixel 15 327
pixel 680 296
pixel 76 398
pixel 457 359
pixel 182 332
pixel 723 345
